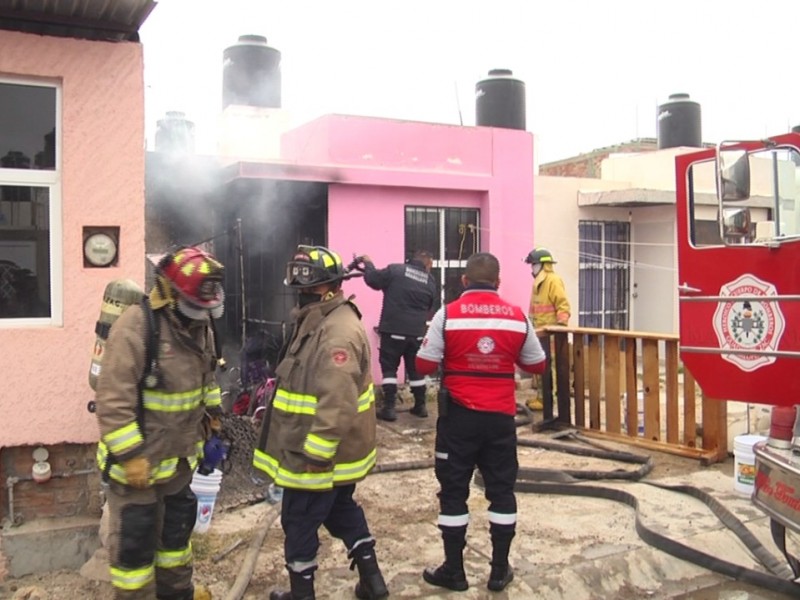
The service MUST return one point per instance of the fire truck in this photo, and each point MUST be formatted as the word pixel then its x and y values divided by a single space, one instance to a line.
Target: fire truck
pixel 738 224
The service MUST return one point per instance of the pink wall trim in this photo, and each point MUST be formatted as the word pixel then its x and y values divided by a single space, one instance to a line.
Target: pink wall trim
pixel 44 395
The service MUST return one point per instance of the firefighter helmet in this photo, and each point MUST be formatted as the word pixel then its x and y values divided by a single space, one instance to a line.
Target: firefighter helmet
pixel 539 256
pixel 196 275
pixel 313 265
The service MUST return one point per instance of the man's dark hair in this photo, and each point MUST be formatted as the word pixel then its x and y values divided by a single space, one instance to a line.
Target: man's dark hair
pixel 423 255
pixel 483 267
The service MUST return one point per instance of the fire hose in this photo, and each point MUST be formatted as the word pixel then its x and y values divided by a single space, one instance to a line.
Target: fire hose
pixel 566 482
pixel 571 482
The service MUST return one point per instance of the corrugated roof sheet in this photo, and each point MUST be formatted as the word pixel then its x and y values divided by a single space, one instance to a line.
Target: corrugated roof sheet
pixel 110 20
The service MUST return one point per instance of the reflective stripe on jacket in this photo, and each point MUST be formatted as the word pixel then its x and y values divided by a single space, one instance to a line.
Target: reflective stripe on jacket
pixel 323 411
pixel 549 303
pixel 173 411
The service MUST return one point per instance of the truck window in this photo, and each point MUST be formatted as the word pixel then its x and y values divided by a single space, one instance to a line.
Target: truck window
pixel 771 213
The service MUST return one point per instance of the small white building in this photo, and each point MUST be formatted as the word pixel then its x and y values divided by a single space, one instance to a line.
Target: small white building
pixel 614 238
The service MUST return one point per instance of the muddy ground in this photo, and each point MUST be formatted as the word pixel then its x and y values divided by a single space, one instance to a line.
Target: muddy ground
pixel 565 547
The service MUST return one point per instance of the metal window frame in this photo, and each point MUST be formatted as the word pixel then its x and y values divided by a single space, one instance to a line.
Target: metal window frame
pixel 444 267
pixel 604 303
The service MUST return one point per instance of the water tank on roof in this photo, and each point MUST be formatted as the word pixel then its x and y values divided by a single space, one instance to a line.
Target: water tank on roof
pixel 251 73
pixel 500 101
pixel 678 123
pixel 175 134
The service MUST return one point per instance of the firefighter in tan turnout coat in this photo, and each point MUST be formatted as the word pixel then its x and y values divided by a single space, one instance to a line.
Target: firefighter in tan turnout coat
pixel 318 438
pixel 153 416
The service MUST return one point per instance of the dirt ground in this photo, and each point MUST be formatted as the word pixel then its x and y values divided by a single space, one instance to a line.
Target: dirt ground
pixel 401 509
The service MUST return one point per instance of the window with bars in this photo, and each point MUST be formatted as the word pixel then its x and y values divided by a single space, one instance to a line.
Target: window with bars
pixel 604 274
pixel 452 235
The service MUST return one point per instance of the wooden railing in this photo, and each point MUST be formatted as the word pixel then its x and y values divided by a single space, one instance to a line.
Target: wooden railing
pixel 615 384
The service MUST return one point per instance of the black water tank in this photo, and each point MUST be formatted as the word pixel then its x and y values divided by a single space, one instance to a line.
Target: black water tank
pixel 175 134
pixel 251 73
pixel 500 101
pixel 678 123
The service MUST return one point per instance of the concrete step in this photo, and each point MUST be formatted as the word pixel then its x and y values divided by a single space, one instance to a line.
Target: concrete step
pixel 49 545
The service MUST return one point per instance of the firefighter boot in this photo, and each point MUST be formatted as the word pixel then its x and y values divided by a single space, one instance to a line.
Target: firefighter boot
pixel 387 413
pixel 450 574
pixel 302 587
pixel 201 592
pixel 371 585
pixel 419 402
pixel 502 574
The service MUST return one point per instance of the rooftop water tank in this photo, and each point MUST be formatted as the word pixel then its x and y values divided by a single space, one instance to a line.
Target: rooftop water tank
pixel 678 123
pixel 251 73
pixel 175 134
pixel 500 101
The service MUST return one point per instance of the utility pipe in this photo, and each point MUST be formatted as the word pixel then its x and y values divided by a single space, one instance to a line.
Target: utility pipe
pixel 11 481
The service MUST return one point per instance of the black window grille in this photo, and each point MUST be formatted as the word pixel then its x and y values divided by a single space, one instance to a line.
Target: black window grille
pixel 451 234
pixel 604 274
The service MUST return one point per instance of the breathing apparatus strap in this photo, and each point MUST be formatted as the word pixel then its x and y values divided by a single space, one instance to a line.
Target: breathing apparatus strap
pixel 151 373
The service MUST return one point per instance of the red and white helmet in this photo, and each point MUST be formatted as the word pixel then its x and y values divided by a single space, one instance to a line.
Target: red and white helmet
pixel 195 275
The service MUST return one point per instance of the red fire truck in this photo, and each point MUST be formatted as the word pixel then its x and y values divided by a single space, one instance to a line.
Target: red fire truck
pixel 738 223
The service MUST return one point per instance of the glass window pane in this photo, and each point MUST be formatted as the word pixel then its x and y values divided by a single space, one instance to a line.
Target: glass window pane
pixel 28 126
pixel 422 231
pixel 24 252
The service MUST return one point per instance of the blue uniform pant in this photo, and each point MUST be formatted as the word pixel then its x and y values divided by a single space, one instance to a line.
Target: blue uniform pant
pixel 304 511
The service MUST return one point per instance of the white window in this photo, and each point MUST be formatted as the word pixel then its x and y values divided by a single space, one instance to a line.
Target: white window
pixel 30 204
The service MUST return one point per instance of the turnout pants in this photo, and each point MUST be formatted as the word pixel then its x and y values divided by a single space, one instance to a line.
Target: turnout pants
pixel 302 514
pixel 466 439
pixel 149 539
pixel 395 348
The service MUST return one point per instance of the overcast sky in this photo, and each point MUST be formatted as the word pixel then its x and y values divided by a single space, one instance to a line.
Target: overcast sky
pixel 595 70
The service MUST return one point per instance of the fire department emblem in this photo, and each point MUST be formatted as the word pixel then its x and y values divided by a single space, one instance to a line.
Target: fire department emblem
pixel 485 345
pixel 748 324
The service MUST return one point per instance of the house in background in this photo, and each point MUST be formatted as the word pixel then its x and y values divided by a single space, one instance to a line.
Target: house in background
pixel 613 233
pixel 359 185
pixel 71 219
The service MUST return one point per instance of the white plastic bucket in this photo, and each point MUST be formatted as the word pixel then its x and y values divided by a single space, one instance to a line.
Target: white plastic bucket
pixel 744 469
pixel 206 488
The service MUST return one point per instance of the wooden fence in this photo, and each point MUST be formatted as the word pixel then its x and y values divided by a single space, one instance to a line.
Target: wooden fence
pixel 616 385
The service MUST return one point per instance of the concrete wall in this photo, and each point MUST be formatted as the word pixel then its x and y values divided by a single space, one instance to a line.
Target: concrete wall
pixel 382 166
pixel 653 253
pixel 101 142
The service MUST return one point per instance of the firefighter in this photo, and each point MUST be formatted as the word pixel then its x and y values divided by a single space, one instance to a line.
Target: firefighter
pixel 478 339
pixel 410 296
pixel 549 306
pixel 152 417
pixel 318 438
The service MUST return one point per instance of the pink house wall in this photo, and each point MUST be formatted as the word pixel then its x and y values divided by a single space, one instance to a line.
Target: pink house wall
pixel 45 387
pixel 381 166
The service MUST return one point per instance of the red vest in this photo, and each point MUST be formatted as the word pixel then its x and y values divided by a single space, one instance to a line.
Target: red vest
pixel 483 336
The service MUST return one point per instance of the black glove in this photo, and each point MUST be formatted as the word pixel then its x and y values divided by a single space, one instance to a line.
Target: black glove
pixel 357 264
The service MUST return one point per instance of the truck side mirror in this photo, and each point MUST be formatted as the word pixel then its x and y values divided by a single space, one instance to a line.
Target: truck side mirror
pixel 733 174
pixel 736 224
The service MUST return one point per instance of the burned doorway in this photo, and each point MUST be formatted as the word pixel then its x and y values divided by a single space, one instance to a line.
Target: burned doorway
pixel 451 234
pixel 263 221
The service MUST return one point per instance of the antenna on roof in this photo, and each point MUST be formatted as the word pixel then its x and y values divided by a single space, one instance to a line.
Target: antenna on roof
pixel 458 105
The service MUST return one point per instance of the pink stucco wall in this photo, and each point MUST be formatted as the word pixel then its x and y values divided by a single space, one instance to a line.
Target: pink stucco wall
pixel 381 166
pixel 45 387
